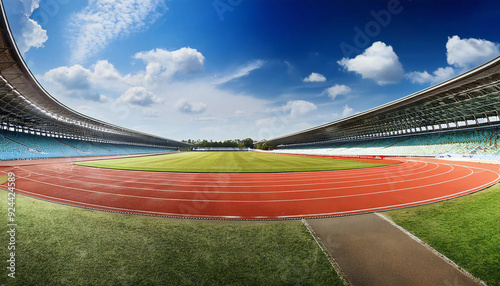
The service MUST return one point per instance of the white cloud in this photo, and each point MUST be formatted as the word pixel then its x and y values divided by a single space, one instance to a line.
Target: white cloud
pixel 299 107
pixel 128 100
pixel 463 54
pixel 240 113
pixel 378 62
pixel 206 118
pixel 244 71
pixel 33 36
pixel 74 77
pixel 103 21
pixel 27 32
pixel 335 90
pixel 104 98
pixel 163 64
pixel 468 53
pixel 442 74
pixel 273 123
pixel 105 71
pixel 74 81
pixel 315 77
pixel 78 81
pixel 192 108
pixel 347 111
pixel 286 119
pixel 140 96
pixel 439 75
pixel 30 6
pixel 293 116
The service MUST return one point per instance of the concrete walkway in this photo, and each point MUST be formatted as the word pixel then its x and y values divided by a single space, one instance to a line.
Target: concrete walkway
pixel 371 251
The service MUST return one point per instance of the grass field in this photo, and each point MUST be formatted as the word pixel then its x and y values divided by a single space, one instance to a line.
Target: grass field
pixel 466 230
pixel 228 162
pixel 62 245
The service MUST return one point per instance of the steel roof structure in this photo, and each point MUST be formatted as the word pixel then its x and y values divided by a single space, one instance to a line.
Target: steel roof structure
pixel 26 107
pixel 468 100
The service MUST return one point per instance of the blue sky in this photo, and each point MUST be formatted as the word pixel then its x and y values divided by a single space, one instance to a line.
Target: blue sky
pixel 226 69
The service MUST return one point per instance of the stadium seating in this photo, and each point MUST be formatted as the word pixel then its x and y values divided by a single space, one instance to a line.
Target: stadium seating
pixel 18 146
pixel 469 143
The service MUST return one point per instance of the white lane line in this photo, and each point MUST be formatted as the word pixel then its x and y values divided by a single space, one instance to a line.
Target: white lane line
pixel 234 177
pixel 243 175
pixel 254 201
pixel 255 192
pixel 228 184
pixel 321 214
pixel 77 203
pixel 103 207
pixel 231 180
pixel 405 204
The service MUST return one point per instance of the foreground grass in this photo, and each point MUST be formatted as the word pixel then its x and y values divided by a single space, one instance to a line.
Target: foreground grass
pixel 231 162
pixel 62 245
pixel 466 230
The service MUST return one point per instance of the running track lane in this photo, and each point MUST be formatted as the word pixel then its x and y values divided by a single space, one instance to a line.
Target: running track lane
pixel 254 196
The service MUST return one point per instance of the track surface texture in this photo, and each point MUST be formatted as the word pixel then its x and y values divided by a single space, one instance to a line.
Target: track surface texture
pixel 250 195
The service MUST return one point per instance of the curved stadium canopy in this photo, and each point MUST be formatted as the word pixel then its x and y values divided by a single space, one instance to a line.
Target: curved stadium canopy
pixel 468 100
pixel 25 106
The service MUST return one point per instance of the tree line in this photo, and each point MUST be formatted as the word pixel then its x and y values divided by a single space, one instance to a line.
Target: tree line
pixel 235 143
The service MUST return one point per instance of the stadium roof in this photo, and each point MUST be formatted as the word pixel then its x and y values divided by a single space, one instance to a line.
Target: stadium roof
pixel 470 99
pixel 26 106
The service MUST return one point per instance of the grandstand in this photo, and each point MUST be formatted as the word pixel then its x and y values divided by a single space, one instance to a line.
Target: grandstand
pixel 19 146
pixel 479 143
pixel 35 125
pixel 458 117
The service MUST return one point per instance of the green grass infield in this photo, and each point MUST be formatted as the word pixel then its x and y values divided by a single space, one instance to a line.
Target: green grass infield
pixel 62 245
pixel 465 229
pixel 229 162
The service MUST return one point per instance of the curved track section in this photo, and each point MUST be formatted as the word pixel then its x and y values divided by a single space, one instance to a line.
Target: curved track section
pixel 254 196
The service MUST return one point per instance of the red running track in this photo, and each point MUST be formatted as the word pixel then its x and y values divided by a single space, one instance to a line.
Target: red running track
pixel 254 196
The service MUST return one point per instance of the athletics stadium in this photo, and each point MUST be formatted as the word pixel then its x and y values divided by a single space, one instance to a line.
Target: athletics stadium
pixel 431 153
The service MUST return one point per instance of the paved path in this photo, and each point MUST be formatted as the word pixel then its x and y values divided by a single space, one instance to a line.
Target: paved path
pixel 371 251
